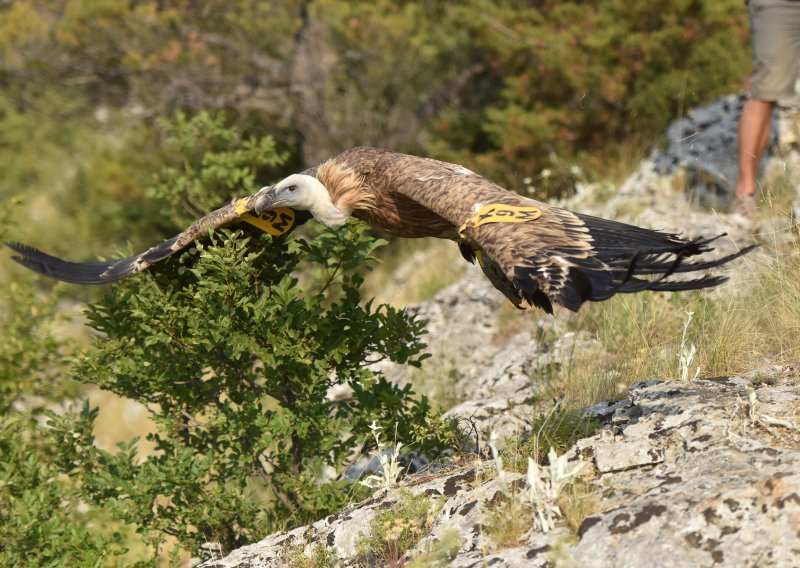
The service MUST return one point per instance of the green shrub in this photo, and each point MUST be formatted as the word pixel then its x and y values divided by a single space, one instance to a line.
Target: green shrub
pixel 233 347
pixel 43 520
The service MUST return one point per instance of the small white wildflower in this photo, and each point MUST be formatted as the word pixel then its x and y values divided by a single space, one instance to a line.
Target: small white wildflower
pixel 545 484
pixel 389 460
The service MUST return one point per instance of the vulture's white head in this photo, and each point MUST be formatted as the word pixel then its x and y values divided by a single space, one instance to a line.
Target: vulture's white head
pixel 305 193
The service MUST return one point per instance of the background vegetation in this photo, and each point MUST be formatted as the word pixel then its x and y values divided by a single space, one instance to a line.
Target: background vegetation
pixel 120 122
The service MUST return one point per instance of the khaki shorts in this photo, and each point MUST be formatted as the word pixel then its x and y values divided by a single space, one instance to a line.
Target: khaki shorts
pixel 775 30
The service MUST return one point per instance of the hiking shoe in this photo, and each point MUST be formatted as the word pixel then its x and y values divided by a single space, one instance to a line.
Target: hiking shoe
pixel 745 206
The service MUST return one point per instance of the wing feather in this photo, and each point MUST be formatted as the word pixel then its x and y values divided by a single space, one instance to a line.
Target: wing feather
pixel 561 257
pixel 114 270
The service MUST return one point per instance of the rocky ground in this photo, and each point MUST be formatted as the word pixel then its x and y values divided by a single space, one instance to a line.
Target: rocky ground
pixel 696 473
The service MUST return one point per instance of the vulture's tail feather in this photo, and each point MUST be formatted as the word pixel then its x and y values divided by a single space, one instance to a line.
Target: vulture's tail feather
pixel 659 265
pixel 639 259
pixel 618 239
pixel 639 285
pixel 683 285
pixel 622 259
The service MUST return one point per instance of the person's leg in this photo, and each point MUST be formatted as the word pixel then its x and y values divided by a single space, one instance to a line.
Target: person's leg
pixel 754 127
pixel 775 32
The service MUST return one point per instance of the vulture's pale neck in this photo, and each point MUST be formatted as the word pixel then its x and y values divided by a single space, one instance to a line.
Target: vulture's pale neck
pixel 320 205
pixel 328 214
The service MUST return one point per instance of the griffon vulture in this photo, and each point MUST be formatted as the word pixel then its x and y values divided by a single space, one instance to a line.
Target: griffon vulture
pixel 529 250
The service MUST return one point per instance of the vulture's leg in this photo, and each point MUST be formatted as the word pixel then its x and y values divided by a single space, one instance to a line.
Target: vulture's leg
pixel 493 272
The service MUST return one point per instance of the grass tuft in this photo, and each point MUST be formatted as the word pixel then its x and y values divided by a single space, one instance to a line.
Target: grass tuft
pixel 391 532
pixel 555 431
pixel 321 557
pixel 578 501
pixel 439 553
pixel 507 521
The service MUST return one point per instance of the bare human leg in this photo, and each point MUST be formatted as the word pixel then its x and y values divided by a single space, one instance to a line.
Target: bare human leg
pixel 754 127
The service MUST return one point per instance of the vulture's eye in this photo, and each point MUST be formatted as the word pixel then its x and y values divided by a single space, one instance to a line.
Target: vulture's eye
pixel 291 188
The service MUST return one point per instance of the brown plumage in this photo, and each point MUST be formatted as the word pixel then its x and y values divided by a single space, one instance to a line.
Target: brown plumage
pixel 553 255
pixel 114 270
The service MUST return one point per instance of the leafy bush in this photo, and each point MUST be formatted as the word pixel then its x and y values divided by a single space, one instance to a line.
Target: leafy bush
pixel 234 348
pixel 235 359
pixel 42 520
pixel 208 162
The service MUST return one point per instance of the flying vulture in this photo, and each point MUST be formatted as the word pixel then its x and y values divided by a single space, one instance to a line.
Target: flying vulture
pixel 530 251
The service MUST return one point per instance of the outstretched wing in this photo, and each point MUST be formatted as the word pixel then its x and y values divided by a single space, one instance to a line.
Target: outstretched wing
pixel 274 222
pixel 570 258
pixel 554 255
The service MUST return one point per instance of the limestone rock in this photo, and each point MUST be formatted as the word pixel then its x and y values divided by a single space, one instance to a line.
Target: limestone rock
pixel 726 493
pixel 695 473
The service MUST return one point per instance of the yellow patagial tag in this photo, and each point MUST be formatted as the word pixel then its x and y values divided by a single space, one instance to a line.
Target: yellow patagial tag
pixel 276 222
pixel 499 213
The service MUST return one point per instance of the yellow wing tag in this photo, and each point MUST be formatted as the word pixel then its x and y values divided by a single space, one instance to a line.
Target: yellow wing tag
pixel 499 213
pixel 276 222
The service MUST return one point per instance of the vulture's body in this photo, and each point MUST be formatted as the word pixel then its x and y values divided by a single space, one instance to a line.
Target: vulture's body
pixel 530 251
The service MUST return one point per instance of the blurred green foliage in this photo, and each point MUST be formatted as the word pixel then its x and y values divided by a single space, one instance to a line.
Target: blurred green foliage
pixel 43 518
pixel 234 355
pixel 507 87
pixel 576 79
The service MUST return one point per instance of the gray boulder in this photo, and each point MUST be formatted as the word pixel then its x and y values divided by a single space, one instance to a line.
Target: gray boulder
pixel 695 473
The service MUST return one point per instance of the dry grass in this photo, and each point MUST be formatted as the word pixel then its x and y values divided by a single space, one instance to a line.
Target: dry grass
pixel 413 270
pixel 637 339
pixel 756 319
pixel 437 380
pixel 728 337
pixel 119 420
pixel 512 321
pixel 506 522
pixel 777 195
pixel 577 502
pixel 753 319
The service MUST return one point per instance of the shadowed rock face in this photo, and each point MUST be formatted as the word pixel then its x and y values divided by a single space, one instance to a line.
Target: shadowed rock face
pixel 691 473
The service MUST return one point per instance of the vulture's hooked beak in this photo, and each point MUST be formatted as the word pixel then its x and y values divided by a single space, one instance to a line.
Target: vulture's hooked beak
pixel 265 200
